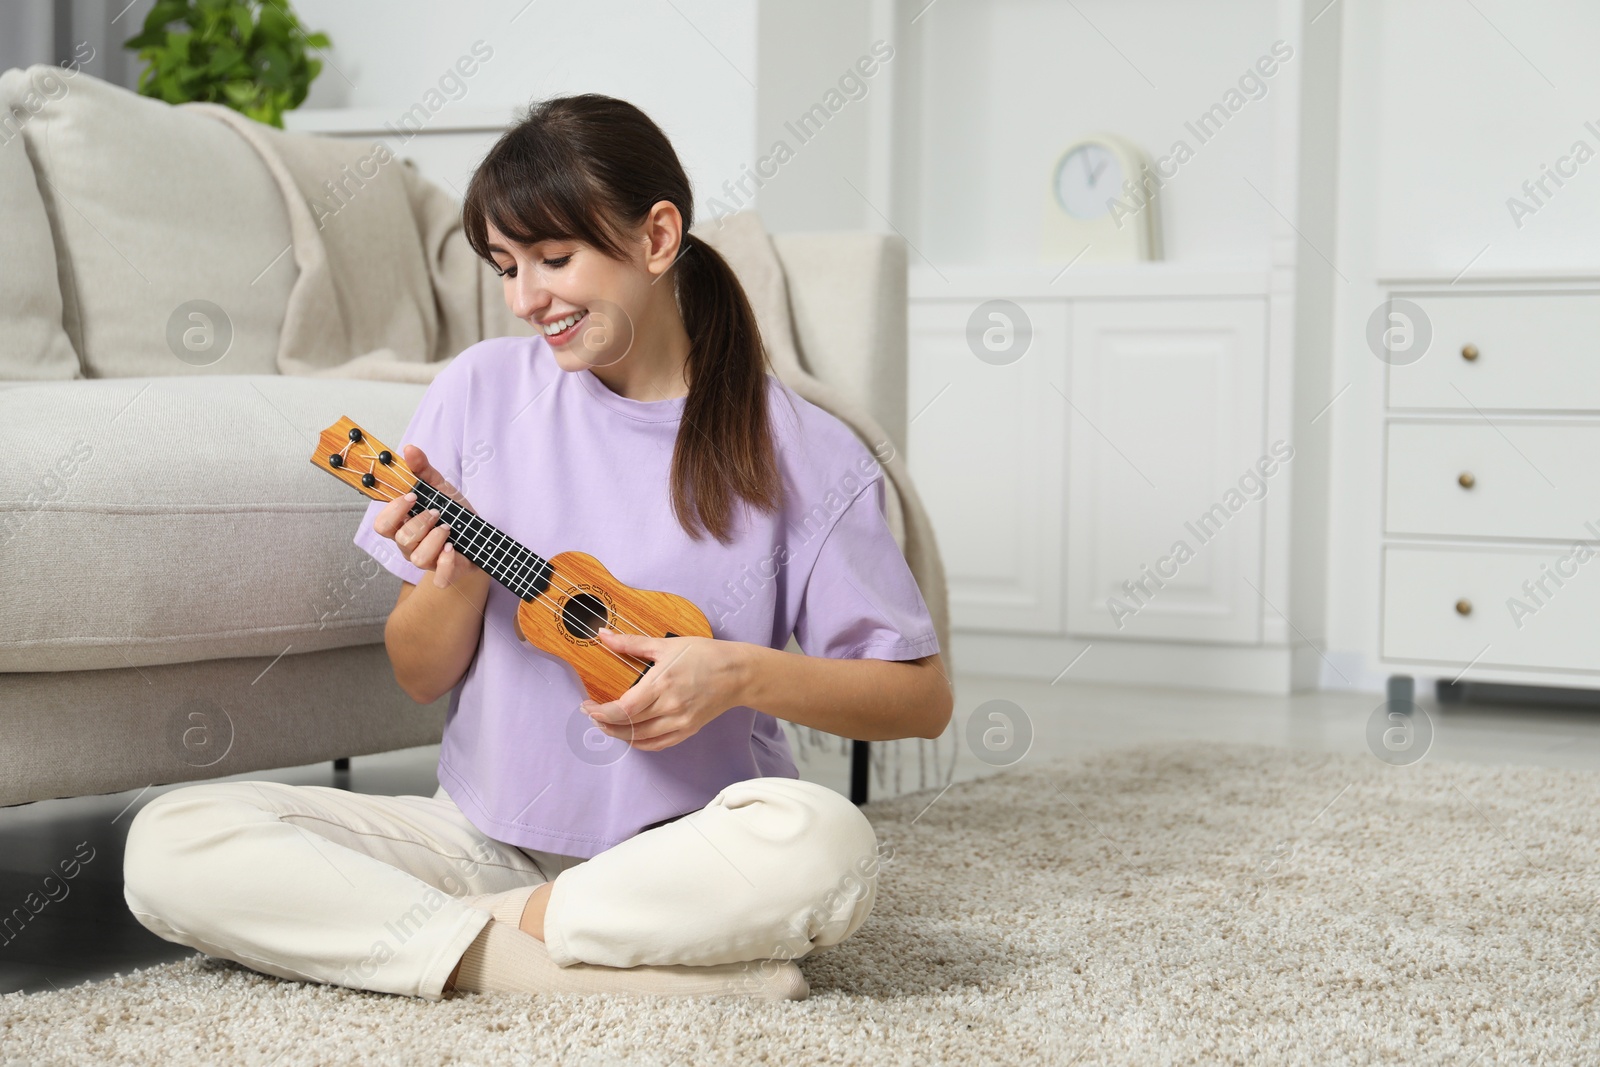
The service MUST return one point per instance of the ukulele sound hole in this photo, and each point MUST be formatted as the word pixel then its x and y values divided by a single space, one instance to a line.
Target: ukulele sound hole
pixel 583 615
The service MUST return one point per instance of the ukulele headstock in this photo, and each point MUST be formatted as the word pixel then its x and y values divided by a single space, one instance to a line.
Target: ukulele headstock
pixel 362 462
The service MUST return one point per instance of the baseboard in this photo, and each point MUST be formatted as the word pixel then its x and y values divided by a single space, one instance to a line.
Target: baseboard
pixel 1240 668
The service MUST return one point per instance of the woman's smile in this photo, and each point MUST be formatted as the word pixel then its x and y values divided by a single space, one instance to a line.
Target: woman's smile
pixel 559 331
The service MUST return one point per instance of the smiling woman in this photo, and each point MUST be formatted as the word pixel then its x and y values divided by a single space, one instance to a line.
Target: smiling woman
pixel 642 424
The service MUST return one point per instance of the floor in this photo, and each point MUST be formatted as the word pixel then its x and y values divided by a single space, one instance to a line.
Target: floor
pixel 89 934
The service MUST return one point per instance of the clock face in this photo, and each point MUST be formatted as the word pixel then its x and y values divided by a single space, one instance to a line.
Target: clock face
pixel 1088 177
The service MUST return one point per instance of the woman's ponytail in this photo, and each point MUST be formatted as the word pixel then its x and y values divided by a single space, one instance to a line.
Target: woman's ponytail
pixel 724 442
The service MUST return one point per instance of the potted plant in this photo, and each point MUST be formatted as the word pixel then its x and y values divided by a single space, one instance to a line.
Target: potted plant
pixel 247 54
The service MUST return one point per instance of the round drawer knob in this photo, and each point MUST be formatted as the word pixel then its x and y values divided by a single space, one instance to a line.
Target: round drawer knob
pixel 1463 606
pixel 1467 480
pixel 1469 352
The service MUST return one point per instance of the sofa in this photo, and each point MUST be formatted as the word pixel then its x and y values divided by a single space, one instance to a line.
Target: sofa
pixel 185 601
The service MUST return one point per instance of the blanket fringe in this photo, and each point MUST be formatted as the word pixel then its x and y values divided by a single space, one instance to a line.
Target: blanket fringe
pixel 906 765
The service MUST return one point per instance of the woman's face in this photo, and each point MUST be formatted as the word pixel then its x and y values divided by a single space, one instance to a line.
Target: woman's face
pixel 584 302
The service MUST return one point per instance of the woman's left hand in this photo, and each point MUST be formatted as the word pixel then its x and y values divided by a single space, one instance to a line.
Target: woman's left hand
pixel 694 680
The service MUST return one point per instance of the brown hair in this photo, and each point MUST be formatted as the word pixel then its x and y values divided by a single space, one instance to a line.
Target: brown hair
pixel 590 168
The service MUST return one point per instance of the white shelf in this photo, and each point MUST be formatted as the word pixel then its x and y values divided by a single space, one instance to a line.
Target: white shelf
pixel 1433 276
pixel 382 122
pixel 1036 281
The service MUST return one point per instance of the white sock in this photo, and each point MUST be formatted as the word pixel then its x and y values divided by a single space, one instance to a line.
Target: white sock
pixel 505 959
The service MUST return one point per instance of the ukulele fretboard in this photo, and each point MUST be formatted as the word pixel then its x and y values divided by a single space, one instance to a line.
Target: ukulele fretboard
pixel 500 556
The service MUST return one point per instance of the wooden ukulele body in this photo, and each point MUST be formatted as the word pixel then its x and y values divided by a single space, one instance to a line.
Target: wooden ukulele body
pixel 583 596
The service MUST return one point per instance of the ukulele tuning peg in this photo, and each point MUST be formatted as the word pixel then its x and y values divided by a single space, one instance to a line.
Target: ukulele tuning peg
pixel 336 461
pixel 355 433
pixel 368 480
pixel 385 457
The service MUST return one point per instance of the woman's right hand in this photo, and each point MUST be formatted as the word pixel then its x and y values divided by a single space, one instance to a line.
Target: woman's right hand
pixel 422 538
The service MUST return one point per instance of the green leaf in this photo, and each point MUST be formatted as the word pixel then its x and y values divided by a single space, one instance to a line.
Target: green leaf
pixel 225 58
pixel 274 25
pixel 277 66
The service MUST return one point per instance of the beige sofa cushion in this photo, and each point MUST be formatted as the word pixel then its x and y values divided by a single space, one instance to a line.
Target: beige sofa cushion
pixel 172 519
pixel 153 210
pixel 33 343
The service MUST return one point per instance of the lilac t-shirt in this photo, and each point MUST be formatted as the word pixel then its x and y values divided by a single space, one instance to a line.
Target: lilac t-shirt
pixel 559 462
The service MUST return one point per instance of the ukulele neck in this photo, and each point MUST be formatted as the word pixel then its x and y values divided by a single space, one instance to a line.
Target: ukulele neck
pixel 501 557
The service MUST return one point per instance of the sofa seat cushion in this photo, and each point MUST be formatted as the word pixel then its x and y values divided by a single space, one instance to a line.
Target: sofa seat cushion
pixel 171 235
pixel 167 520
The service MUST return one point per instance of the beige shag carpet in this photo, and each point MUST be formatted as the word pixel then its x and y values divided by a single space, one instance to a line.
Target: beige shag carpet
pixel 1167 904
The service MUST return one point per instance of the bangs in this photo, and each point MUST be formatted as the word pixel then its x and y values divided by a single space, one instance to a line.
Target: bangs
pixel 529 191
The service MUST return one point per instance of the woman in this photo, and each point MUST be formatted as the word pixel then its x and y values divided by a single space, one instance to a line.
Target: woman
pixel 660 843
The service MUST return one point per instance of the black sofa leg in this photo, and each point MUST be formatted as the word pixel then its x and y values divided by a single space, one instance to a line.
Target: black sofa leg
pixel 860 761
pixel 342 763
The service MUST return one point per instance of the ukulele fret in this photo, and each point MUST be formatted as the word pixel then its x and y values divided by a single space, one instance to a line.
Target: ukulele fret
pixel 503 549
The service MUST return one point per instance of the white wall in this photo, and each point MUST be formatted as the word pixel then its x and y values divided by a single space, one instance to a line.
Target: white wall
pixel 859 61
pixel 1447 108
pixel 805 52
pixel 1008 84
pixel 690 64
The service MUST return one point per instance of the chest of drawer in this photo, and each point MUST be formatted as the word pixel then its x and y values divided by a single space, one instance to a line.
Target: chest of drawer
pixel 1494 607
pixel 1506 479
pixel 1498 351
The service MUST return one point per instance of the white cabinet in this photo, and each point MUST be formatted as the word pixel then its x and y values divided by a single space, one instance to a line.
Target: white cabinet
pixel 1055 478
pixel 1492 500
pixel 1164 492
pixel 1117 502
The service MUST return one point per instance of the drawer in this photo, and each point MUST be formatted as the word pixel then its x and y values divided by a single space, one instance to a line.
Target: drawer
pixel 1556 627
pixel 1527 479
pixel 1534 352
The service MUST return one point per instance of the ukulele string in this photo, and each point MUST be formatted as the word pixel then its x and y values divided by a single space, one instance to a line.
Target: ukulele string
pixel 545 600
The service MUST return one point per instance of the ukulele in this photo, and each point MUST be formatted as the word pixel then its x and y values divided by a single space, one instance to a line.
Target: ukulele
pixel 565 599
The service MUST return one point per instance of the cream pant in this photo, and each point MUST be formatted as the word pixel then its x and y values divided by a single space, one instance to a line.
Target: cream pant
pixel 312 883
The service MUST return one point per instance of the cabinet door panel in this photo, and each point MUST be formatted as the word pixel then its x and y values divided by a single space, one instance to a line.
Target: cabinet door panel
pixel 1166 416
pixel 987 449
